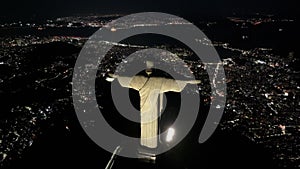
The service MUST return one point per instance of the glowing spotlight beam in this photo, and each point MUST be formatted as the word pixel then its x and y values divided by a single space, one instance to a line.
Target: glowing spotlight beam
pixel 170 134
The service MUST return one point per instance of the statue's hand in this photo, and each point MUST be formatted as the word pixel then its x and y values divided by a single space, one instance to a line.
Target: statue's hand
pixel 194 81
pixel 111 77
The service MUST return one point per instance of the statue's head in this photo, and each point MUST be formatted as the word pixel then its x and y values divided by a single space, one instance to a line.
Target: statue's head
pixel 149 64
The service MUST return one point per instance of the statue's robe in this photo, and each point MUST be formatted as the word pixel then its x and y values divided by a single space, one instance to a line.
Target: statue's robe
pixel 149 91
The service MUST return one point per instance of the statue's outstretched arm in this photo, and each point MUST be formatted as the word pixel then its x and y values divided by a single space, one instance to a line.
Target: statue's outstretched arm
pixel 135 82
pixel 176 85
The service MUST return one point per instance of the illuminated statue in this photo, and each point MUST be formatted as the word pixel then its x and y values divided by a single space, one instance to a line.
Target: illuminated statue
pixel 149 90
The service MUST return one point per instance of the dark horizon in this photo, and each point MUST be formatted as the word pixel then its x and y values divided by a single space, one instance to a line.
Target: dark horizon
pixel 38 9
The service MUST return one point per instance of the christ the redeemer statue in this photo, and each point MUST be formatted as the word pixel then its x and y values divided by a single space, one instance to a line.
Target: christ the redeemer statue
pixel 149 89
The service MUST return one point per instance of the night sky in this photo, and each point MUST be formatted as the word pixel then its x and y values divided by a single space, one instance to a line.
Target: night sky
pixel 53 8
